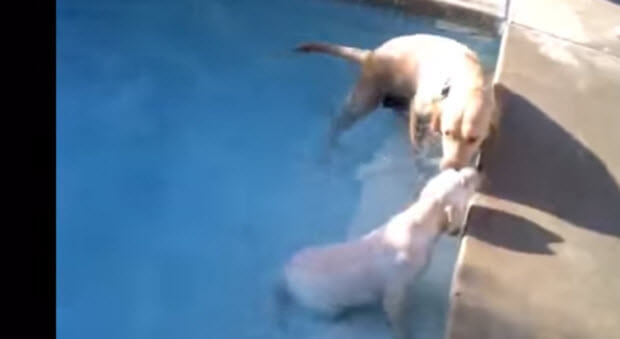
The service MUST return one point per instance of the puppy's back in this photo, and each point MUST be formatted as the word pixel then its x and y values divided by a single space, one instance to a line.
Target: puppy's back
pixel 331 277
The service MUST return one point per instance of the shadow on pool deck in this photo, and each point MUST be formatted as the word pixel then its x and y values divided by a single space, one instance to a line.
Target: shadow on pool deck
pixel 537 163
pixel 512 282
pixel 512 232
pixel 550 272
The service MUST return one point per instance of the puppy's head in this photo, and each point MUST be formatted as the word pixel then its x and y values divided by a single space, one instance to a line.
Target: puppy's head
pixel 457 201
pixel 470 178
pixel 453 189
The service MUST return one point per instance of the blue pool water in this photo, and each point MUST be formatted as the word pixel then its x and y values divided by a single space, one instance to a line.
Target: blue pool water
pixel 189 144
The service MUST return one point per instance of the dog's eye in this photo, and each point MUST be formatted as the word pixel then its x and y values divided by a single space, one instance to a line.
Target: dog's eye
pixel 445 91
pixel 446 132
pixel 472 140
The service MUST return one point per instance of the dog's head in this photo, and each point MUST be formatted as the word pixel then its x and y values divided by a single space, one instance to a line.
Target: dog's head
pixel 465 123
pixel 467 115
pixel 453 189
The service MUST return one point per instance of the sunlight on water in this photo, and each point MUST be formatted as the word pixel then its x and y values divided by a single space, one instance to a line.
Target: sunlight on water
pixel 188 165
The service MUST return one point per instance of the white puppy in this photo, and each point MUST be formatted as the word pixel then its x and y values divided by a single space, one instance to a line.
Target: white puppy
pixel 381 265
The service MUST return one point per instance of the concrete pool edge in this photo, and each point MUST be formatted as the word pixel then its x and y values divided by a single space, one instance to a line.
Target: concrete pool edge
pixel 537 259
pixel 484 16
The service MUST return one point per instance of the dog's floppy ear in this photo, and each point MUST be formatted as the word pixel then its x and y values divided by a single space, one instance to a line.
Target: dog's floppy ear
pixel 493 132
pixel 494 126
pixel 436 121
pixel 497 92
pixel 491 140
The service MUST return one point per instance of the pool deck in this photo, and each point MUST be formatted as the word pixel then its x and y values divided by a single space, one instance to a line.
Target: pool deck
pixel 540 257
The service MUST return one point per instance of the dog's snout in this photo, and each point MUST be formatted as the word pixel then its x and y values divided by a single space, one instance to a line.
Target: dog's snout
pixel 477 181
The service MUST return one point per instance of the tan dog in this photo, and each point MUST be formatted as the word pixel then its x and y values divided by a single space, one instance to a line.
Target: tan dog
pixel 382 265
pixel 423 75
pixel 468 116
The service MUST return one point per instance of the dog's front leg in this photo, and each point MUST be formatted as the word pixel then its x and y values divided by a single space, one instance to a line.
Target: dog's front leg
pixel 395 304
pixel 413 125
pixel 362 100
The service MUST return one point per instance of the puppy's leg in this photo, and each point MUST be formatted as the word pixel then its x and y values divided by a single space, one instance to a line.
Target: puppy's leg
pixel 395 304
pixel 364 98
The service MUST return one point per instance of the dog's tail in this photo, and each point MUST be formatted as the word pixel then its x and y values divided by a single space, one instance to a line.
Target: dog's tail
pixel 356 55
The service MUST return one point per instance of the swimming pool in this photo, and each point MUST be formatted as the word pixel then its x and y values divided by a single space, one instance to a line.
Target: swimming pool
pixel 188 165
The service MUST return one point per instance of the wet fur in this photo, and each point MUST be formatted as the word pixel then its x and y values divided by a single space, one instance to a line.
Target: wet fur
pixel 410 74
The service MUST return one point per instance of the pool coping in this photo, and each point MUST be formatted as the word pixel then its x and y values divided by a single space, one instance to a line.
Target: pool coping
pixel 486 17
pixel 520 256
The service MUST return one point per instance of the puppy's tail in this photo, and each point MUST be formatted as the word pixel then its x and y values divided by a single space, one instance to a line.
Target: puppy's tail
pixel 353 54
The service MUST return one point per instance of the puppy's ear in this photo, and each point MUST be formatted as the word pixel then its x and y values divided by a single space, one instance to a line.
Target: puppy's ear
pixel 449 214
pixel 491 140
pixel 462 181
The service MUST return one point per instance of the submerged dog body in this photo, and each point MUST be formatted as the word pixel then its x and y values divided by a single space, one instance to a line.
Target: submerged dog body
pixel 380 266
pixel 424 75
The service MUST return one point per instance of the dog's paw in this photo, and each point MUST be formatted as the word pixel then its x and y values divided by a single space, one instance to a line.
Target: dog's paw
pixel 416 147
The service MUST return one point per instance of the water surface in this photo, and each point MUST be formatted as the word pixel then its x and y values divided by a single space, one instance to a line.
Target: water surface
pixel 188 165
